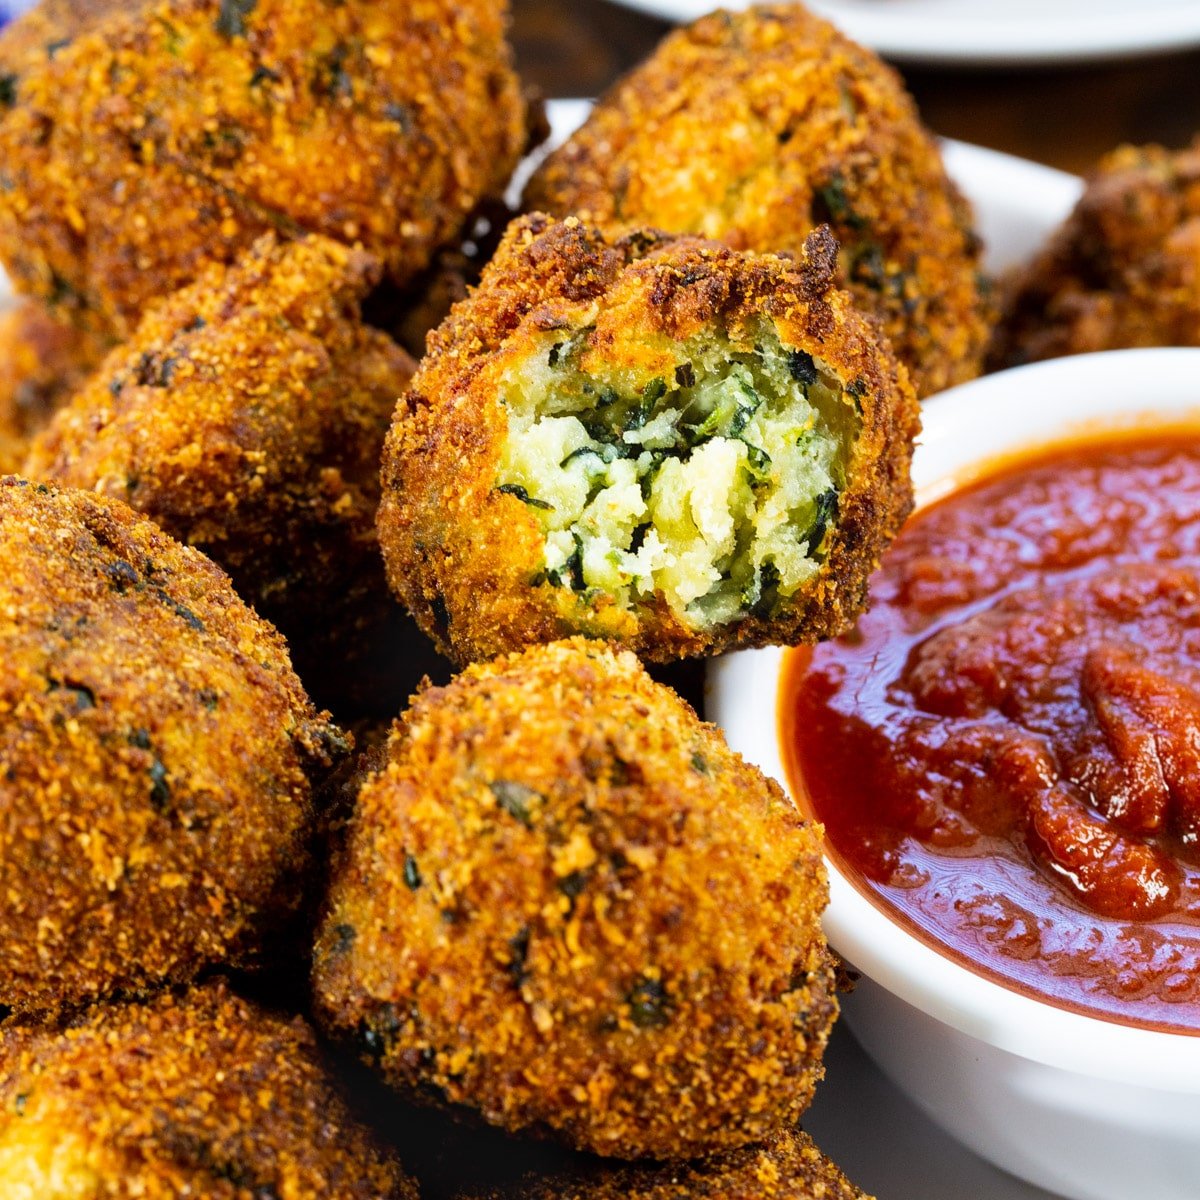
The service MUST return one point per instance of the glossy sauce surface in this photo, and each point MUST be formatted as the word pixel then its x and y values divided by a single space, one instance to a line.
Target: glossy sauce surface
pixel 1007 749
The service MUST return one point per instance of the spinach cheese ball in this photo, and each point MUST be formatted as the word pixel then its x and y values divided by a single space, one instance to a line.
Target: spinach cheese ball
pixel 43 361
pixel 566 904
pixel 157 758
pixel 1122 271
pixel 752 128
pixel 141 141
pixel 787 1166
pixel 659 441
pixel 194 1095
pixel 247 416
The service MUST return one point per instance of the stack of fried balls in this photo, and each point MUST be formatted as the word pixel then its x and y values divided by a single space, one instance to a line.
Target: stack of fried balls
pixel 277 912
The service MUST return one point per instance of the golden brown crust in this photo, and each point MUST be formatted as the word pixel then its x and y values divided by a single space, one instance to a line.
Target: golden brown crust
pixel 787 1166
pixel 155 757
pixel 42 362
pixel 567 904
pixel 247 417
pixel 202 1094
pixel 464 557
pixel 170 133
pixel 1123 270
pixel 756 126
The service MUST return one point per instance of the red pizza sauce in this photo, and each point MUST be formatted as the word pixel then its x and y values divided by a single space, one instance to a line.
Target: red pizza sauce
pixel 1006 751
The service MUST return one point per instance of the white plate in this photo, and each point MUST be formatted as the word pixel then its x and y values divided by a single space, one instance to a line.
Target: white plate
pixel 992 31
pixel 881 1140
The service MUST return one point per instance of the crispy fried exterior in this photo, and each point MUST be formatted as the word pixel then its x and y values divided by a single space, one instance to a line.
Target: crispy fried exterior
pixel 156 755
pixel 146 141
pixel 42 362
pixel 199 1095
pixel 464 557
pixel 247 417
pixel 787 1166
pixel 754 127
pixel 568 905
pixel 1124 269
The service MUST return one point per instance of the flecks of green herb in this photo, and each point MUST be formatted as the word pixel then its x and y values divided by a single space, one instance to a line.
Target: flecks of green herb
pixel 757 458
pixel 802 367
pixel 515 799
pixel 570 574
pixel 160 790
pixel 8 90
pixel 412 873
pixel 605 453
pixel 699 763
pixel 332 77
pixel 764 595
pixel 83 695
pixel 518 948
pixel 858 388
pixel 648 1004
pixel 173 41
pixel 231 18
pixel 572 885
pixel 515 489
pixel 832 206
pixel 827 510
pixel 264 75
pixel 401 114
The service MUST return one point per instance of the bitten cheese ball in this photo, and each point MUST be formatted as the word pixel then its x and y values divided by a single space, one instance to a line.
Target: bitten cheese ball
pixel 752 128
pixel 659 441
pixel 1122 271
pixel 142 141
pixel 247 416
pixel 157 755
pixel 200 1094
pixel 565 903
pixel 788 1166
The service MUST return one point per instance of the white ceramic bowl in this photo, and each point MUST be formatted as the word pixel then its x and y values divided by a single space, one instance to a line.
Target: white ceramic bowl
pixel 1087 1108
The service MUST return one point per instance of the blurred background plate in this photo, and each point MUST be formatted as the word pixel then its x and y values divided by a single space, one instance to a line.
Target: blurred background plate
pixel 993 31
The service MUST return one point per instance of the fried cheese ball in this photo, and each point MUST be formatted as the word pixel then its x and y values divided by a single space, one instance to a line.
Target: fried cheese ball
pixel 200 1095
pixel 157 755
pixel 787 1166
pixel 247 417
pixel 1123 270
pixel 568 905
pixel 148 139
pixel 753 127
pixel 42 362
pixel 659 441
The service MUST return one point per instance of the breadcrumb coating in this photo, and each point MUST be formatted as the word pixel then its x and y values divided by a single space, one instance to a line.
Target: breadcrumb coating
pixel 767 425
pixel 143 141
pixel 247 416
pixel 43 361
pixel 566 904
pixel 201 1094
pixel 787 1166
pixel 754 127
pixel 1122 271
pixel 156 757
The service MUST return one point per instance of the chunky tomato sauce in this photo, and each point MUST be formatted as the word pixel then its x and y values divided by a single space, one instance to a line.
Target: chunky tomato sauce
pixel 1007 749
